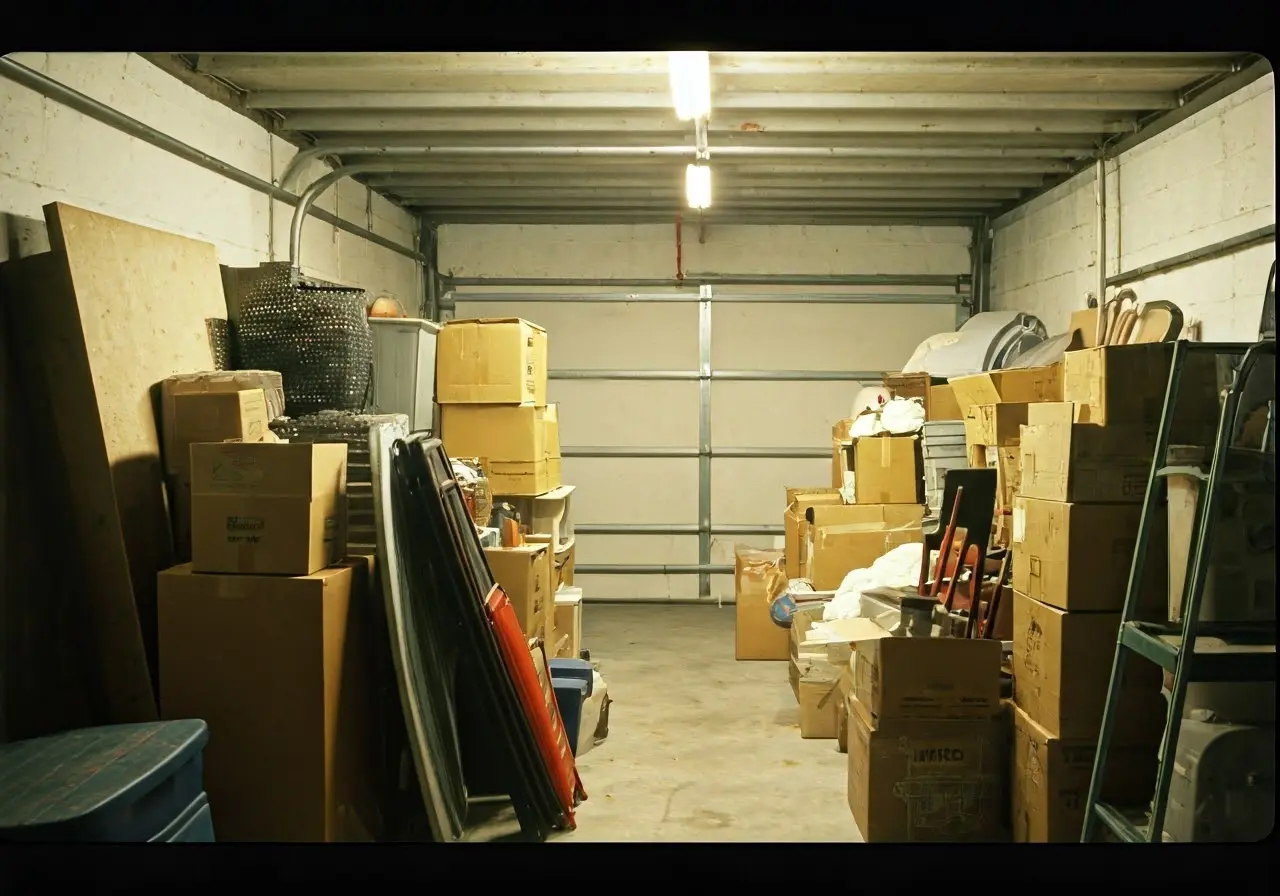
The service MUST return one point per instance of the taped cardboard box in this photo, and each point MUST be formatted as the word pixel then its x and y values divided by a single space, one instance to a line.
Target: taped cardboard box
pixel 267 508
pixel 928 780
pixel 1061 670
pixel 846 537
pixel 1077 557
pixel 1051 776
pixel 840 443
pixel 758 578
pixel 1031 384
pixel 491 361
pixel 524 574
pixel 519 446
pixel 1126 385
pixel 177 457
pixel 928 678
pixel 796 527
pixel 995 425
pixel 1080 462
pixel 887 470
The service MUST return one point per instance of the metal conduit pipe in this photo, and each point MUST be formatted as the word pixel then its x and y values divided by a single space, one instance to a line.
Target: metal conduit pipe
pixel 112 118
pixel 308 199
pixel 1195 256
pixel 953 281
pixel 451 299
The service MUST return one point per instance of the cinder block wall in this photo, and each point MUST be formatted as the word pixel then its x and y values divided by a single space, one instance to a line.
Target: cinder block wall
pixel 49 153
pixel 1209 178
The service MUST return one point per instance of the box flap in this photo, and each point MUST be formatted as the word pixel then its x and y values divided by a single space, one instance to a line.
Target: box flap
pixel 477 321
pixel 268 469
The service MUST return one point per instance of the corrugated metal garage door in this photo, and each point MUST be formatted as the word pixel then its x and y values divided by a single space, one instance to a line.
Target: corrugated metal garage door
pixel 686 412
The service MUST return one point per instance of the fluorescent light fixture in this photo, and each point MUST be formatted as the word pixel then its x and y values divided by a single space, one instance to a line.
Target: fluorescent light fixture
pixel 691 83
pixel 697 186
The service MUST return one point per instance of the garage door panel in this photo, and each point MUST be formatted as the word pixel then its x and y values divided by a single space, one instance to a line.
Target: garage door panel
pixel 629 550
pixel 722 587
pixel 778 414
pixel 822 337
pixel 607 336
pixel 751 491
pixel 633 490
pixel 597 587
pixel 621 413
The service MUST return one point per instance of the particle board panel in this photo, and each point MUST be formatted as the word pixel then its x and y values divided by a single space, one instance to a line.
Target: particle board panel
pixel 123 307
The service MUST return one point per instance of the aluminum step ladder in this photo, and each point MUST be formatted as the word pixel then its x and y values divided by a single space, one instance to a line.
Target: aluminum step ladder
pixel 1191 650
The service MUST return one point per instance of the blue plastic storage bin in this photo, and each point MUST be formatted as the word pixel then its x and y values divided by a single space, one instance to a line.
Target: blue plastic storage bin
pixel 569 668
pixel 570 693
pixel 114 784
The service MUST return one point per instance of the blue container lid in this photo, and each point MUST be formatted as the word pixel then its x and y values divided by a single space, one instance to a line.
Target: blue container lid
pixel 59 787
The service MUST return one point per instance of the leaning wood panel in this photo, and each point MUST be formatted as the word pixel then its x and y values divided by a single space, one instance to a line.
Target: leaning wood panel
pixel 126 309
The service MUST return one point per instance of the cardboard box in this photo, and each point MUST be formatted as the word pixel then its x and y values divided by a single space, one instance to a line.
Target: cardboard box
pixel 796 528
pixel 758 578
pixel 279 669
pixel 886 470
pixel 525 576
pixel 240 416
pixel 176 456
pixel 995 425
pixel 1080 462
pixel 928 678
pixel 842 720
pixel 519 447
pixel 1050 781
pixel 928 780
pixel 846 537
pixel 491 361
pixel 1031 384
pixel 1061 669
pixel 1077 557
pixel 1126 384
pixel 267 508
pixel 840 446
pixel 942 404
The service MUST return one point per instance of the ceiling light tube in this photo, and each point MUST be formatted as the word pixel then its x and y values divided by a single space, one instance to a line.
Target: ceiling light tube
pixel 691 83
pixel 697 186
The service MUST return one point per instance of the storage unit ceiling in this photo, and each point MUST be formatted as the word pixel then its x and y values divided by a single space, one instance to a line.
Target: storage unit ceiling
pixel 794 137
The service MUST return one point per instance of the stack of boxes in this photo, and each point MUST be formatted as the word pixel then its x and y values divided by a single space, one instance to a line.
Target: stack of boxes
pixel 264 634
pixel 1084 463
pixel 491 385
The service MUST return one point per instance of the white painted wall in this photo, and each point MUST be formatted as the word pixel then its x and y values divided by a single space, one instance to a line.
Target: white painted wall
pixel 1206 179
pixel 665 337
pixel 49 153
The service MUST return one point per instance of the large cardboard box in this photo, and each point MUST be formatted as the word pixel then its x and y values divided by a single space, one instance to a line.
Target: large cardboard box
pixel 846 537
pixel 240 416
pixel 928 678
pixel 1077 557
pixel 928 780
pixel 758 578
pixel 995 425
pixel 278 667
pixel 818 694
pixel 1062 667
pixel 491 361
pixel 1126 384
pixel 994 387
pixel 796 528
pixel 1080 462
pixel 267 508
pixel 886 470
pixel 176 455
pixel 942 404
pixel 518 446
pixel 525 576
pixel 1050 780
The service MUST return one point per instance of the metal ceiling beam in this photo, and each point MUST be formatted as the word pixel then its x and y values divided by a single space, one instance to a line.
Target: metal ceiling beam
pixel 675 204
pixel 633 191
pixel 719 218
pixel 663 121
pixel 659 178
pixel 723 101
pixel 740 164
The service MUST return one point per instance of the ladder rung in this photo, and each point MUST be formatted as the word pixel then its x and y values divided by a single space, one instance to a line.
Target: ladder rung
pixel 1193 472
pixel 1224 652
pixel 1119 825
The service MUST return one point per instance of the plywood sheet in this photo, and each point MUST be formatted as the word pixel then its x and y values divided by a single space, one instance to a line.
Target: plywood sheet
pixel 123 307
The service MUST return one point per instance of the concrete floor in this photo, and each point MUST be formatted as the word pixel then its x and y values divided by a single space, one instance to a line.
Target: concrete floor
pixel 701 747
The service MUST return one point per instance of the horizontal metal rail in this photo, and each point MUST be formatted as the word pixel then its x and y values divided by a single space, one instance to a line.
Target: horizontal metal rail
pixel 1195 256
pixel 652 569
pixel 948 280
pixel 751 376
pixel 671 529
pixel 451 299
pixel 647 451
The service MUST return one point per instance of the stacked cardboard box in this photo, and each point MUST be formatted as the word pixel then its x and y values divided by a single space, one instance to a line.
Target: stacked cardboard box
pixel 759 577
pixel 264 636
pixel 1084 468
pixel 491 385
pixel 928 741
